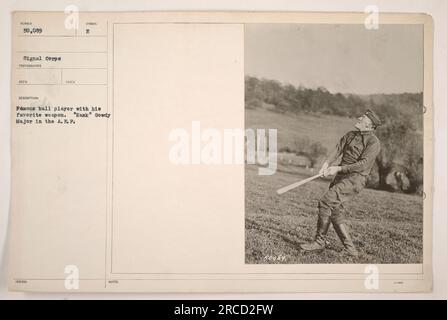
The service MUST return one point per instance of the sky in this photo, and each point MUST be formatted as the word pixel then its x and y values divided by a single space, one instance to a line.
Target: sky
pixel 341 58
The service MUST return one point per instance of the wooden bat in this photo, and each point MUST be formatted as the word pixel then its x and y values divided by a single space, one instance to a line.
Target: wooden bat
pixel 297 184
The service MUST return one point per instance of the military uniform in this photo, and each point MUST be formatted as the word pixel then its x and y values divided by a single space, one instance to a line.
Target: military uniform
pixel 358 151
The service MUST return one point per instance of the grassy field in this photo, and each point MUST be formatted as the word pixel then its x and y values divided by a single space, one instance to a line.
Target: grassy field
pixel 386 227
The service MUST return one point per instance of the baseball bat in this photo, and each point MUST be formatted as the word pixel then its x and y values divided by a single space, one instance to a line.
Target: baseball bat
pixel 297 184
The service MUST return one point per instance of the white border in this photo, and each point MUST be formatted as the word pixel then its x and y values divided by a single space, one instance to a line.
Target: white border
pixel 436 8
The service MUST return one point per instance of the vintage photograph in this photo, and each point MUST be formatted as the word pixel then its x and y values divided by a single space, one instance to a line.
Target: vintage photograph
pixel 347 104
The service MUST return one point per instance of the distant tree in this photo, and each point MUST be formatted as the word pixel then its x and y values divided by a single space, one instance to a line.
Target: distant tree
pixel 253 90
pixel 314 151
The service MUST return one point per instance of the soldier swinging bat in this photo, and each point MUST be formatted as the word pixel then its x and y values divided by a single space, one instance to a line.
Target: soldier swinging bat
pixel 358 150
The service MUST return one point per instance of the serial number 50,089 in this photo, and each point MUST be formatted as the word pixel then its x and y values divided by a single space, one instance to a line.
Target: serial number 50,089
pixel 245 309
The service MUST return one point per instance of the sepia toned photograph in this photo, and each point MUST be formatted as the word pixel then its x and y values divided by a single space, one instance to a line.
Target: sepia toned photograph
pixel 346 102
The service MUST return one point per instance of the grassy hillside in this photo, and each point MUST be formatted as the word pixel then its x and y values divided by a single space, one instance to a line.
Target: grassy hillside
pixel 326 129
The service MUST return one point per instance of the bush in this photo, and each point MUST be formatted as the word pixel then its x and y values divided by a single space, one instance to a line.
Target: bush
pixel 402 145
pixel 287 150
pixel 314 151
pixel 253 103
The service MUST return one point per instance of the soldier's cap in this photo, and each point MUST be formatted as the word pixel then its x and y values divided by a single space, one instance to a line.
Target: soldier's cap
pixel 373 117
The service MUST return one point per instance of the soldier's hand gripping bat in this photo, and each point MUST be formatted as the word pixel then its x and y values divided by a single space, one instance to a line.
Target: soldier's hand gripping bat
pixel 299 183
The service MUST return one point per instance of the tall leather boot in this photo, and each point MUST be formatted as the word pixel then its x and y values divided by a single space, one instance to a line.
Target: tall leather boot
pixel 343 234
pixel 319 243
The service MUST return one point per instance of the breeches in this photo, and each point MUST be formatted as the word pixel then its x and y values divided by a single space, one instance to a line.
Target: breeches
pixel 343 188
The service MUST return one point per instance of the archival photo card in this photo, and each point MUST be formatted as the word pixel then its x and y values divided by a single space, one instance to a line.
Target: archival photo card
pixel 221 152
